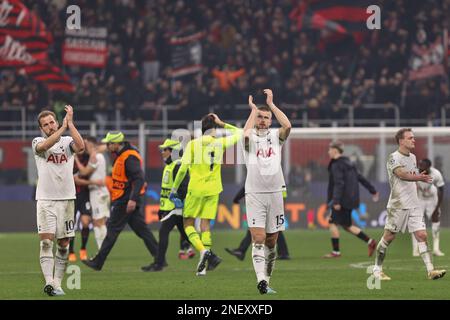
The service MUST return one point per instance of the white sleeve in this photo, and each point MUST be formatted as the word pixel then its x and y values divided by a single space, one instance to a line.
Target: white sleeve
pixel 100 161
pixel 277 135
pixel 35 142
pixel 439 180
pixel 393 163
pixel 68 141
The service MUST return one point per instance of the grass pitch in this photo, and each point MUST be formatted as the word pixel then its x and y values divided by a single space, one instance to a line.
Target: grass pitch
pixel 305 276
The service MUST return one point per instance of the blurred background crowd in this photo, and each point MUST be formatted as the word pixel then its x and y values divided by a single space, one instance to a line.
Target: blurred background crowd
pixel 253 44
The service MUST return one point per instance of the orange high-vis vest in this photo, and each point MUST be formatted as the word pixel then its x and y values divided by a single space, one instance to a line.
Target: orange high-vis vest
pixel 120 180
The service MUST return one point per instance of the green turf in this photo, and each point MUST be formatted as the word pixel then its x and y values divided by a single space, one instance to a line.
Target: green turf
pixel 305 276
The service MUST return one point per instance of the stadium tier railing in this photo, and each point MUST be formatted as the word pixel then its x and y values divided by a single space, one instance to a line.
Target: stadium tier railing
pixel 20 122
pixel 306 148
pixel 369 147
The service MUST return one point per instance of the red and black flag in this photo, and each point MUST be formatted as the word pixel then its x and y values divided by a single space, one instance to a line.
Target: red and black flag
pixel 24 44
pixel 50 75
pixel 336 19
pixel 21 24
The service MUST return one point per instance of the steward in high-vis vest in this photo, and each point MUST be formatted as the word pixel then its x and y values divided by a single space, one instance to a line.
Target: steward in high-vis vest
pixel 127 198
pixel 169 215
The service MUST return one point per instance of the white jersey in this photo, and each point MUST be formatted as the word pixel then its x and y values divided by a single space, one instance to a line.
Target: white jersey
pixel 263 161
pixel 99 173
pixel 429 191
pixel 55 170
pixel 403 193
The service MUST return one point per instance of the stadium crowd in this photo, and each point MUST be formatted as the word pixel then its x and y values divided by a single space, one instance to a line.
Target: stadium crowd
pixel 257 43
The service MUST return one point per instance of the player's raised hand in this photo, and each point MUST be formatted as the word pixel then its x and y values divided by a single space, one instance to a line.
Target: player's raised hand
pixel 269 99
pixel 65 123
pixel 250 102
pixel 217 120
pixel 69 113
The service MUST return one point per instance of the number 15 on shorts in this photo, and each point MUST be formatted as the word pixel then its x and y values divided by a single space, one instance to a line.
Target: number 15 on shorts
pixel 280 219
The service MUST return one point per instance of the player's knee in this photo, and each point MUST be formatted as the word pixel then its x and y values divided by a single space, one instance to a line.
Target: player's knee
pixel 421 236
pixel 188 222
pixel 259 238
pixel 270 243
pixel 63 249
pixel 347 228
pixel 46 246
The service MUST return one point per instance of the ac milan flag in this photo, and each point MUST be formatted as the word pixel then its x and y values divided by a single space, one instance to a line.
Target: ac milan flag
pixel 428 59
pixel 24 43
pixel 186 54
pixel 336 19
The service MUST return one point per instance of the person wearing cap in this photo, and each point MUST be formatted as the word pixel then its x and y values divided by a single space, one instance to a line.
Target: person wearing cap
pixel 343 197
pixel 127 199
pixel 170 215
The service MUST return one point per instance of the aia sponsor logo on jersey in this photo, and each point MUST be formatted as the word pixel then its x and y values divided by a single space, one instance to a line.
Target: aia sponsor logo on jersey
pixel 57 158
pixel 265 153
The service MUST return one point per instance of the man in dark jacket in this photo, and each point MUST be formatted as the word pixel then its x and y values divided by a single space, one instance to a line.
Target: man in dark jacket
pixel 343 197
pixel 127 199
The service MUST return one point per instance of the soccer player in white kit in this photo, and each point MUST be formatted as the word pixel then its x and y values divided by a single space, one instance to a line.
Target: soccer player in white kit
pixel 264 185
pixel 55 194
pixel 430 196
pixel 403 206
pixel 98 193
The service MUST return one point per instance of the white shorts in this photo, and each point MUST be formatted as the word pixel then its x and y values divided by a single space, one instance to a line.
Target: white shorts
pixel 100 202
pixel 397 220
pixel 56 217
pixel 428 207
pixel 265 210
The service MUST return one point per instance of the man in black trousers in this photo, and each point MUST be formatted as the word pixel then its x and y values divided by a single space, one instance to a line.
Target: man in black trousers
pixel 239 252
pixel 127 199
pixel 169 215
pixel 343 197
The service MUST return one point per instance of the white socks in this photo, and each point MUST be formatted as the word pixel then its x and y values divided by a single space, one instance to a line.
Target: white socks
pixel 414 245
pixel 381 252
pixel 435 227
pixel 426 255
pixel 259 261
pixel 60 264
pixel 263 261
pixel 270 255
pixel 100 234
pixel 46 260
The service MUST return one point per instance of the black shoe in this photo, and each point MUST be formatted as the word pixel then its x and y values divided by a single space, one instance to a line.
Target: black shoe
pixel 49 290
pixel 213 262
pixel 285 257
pixel 237 253
pixel 152 267
pixel 202 264
pixel 91 264
pixel 262 286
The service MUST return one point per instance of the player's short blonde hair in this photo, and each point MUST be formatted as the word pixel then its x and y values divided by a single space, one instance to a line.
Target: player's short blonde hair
pixel 44 114
pixel 264 108
pixel 400 134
